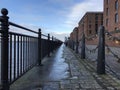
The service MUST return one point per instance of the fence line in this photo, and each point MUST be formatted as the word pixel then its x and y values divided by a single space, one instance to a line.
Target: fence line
pixel 93 51
pixel 20 52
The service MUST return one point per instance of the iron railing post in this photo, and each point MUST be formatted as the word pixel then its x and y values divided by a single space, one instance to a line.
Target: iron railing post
pixel 52 43
pixel 83 47
pixel 4 49
pixel 39 47
pixel 52 38
pixel 48 45
pixel 101 52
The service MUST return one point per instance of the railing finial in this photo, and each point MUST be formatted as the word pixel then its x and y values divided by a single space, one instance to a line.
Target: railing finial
pixel 4 12
pixel 39 29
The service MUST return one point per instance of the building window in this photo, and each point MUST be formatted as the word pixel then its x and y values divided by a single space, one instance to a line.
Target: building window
pixel 116 5
pixel 116 18
pixel 89 25
pixel 107 1
pixel 116 28
pixel 96 17
pixel 101 19
pixel 90 32
pixel 101 22
pixel 89 21
pixel 106 22
pixel 96 28
pixel 107 11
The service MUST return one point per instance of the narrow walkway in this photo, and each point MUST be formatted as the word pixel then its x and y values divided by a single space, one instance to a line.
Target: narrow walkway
pixel 62 71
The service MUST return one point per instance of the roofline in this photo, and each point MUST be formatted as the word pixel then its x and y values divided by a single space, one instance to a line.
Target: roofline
pixel 90 12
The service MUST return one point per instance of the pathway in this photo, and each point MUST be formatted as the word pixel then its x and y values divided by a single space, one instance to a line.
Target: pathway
pixel 62 71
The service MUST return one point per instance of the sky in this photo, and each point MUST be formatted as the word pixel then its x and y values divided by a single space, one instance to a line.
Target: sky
pixel 57 17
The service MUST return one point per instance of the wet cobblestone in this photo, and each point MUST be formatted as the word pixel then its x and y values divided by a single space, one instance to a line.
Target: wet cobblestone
pixel 80 77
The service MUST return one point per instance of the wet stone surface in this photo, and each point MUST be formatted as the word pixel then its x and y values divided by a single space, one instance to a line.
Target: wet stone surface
pixel 62 71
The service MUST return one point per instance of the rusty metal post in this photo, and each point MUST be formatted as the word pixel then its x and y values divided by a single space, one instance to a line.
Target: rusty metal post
pixel 101 51
pixel 4 49
pixel 83 47
pixel 39 47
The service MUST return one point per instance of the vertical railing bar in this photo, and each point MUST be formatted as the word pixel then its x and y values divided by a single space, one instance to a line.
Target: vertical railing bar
pixel 36 51
pixel 14 57
pixel 26 54
pixel 33 51
pixel 18 56
pixel 30 54
pixel 10 58
pixel 21 56
pixel 36 48
pixel 36 60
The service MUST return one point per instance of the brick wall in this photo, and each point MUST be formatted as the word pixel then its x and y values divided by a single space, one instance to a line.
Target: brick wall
pixel 109 14
pixel 90 23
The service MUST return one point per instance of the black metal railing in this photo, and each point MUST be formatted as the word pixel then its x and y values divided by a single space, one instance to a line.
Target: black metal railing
pixel 20 52
pixel 23 54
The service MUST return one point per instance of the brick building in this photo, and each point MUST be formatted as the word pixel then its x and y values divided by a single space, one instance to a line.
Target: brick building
pixel 111 15
pixel 73 34
pixel 112 18
pixel 89 23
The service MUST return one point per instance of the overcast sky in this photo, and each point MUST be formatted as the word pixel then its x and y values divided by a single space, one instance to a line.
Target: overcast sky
pixel 58 17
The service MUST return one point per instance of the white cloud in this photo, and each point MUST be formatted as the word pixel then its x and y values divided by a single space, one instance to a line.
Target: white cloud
pixel 78 10
pixel 60 36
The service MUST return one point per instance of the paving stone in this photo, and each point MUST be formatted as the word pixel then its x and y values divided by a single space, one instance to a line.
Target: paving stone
pixel 51 86
pixel 110 88
pixel 80 77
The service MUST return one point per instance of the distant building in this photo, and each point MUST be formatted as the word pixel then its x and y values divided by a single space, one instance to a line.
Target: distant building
pixel 89 23
pixel 73 34
pixel 111 14
pixel 111 19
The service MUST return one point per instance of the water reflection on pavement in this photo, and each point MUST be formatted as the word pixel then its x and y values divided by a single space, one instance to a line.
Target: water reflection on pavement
pixel 53 70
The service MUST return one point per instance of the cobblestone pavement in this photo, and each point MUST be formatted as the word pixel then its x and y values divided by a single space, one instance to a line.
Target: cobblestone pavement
pixel 112 64
pixel 79 75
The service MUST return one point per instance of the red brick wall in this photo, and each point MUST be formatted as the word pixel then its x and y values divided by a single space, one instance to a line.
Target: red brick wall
pixel 111 15
pixel 95 41
pixel 88 23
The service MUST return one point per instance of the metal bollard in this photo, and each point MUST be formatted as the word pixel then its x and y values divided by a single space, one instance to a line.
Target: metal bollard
pixel 101 52
pixel 39 47
pixel 48 45
pixel 83 47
